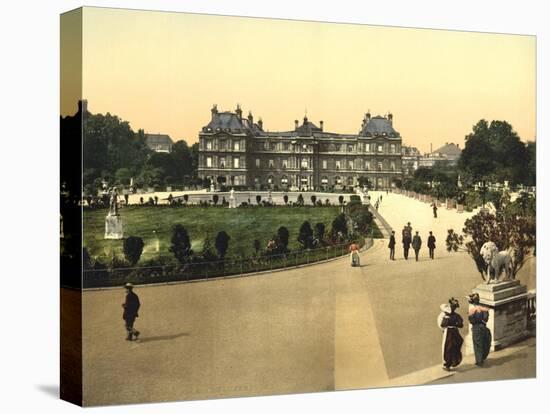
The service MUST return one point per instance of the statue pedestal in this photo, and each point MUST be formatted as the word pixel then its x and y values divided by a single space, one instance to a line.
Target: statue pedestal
pixel 232 203
pixel 507 304
pixel 460 208
pixel 113 227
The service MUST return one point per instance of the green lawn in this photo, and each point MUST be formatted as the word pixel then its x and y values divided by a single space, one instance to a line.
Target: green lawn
pixel 242 224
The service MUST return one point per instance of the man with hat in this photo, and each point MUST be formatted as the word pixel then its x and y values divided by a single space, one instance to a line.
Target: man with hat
pixel 416 244
pixel 391 245
pixel 450 322
pixel 481 335
pixel 131 308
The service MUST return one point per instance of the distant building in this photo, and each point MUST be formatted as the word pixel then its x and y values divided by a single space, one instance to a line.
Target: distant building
pixel 159 142
pixel 236 151
pixel 410 159
pixel 448 154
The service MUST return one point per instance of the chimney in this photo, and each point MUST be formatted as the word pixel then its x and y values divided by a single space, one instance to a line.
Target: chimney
pixel 367 115
pixel 261 124
pixel 239 112
pixel 390 118
pixel 321 123
pixel 250 118
pixel 431 148
pixel 295 124
pixel 214 110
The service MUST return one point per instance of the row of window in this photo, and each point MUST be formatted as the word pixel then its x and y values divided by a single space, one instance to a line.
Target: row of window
pixel 338 164
pixel 284 181
pixel 223 145
pixel 305 164
pixel 235 145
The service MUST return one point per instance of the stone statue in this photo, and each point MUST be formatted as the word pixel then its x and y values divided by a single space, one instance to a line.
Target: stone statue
pixel 113 202
pixel 496 261
pixel 232 201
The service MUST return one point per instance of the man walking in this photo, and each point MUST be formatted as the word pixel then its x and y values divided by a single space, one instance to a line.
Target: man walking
pixel 434 207
pixel 416 244
pixel 391 245
pixel 406 235
pixel 131 308
pixel 431 244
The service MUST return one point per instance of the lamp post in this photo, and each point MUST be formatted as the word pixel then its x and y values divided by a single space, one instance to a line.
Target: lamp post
pixel 482 188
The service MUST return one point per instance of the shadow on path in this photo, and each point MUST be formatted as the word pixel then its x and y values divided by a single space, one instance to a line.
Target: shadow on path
pixel 163 337
pixel 49 389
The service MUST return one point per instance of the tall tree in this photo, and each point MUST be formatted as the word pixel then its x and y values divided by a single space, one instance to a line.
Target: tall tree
pixel 305 235
pixel 222 243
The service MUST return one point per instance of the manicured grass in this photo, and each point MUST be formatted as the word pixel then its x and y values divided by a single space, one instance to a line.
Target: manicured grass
pixel 243 225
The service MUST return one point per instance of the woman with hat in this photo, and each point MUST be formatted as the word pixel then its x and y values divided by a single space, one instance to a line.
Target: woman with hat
pixel 481 335
pixel 451 322
pixel 354 254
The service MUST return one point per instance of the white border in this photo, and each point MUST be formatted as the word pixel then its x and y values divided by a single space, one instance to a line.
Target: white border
pixel 29 107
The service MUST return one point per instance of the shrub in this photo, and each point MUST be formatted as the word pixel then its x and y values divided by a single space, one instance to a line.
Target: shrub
pixel 283 236
pixel 215 199
pixel 132 248
pixel 305 235
pixel 313 199
pixel 341 199
pixel 285 199
pixel 180 244
pixel 222 243
pixel 258 199
pixel 300 200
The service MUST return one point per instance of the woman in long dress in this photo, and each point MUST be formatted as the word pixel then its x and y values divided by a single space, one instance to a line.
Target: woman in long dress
pixel 451 322
pixel 481 335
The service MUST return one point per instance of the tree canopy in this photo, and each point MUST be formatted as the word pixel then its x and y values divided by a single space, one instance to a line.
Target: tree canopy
pixel 495 152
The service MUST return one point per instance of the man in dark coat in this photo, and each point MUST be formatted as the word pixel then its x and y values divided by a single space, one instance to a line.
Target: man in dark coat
pixel 431 244
pixel 434 206
pixel 406 242
pixel 131 308
pixel 416 244
pixel 391 245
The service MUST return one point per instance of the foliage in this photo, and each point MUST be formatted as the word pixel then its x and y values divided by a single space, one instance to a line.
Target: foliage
pixel 494 151
pixel 282 239
pixel 285 199
pixel 341 199
pixel 300 200
pixel 507 232
pixel 313 199
pixel 180 244
pixel 132 248
pixel 305 235
pixel 257 246
pixel 222 243
pixel 339 226
pixel 360 216
pixel 215 199
pixel 365 182
pixel 206 254
pixel 258 199
pixel 320 232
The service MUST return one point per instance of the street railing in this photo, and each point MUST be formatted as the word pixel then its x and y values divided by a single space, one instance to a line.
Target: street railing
pixel 108 277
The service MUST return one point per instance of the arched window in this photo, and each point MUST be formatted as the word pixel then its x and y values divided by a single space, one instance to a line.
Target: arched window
pixel 337 180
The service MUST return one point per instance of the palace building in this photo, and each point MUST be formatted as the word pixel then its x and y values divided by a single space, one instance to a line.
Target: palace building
pixel 238 152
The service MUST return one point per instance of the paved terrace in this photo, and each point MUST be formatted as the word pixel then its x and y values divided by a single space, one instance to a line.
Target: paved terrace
pixel 318 328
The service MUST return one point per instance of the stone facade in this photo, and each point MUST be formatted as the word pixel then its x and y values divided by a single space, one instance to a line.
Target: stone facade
pixel 237 152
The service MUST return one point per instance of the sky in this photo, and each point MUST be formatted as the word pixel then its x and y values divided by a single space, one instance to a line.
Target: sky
pixel 162 72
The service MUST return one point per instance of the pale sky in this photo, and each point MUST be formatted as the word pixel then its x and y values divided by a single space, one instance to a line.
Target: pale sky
pixel 163 71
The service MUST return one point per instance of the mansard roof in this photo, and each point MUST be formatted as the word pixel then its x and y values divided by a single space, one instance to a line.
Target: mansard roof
pixel 231 122
pixel 378 125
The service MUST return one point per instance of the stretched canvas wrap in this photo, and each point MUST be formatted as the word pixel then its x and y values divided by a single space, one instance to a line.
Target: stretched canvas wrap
pixel 256 206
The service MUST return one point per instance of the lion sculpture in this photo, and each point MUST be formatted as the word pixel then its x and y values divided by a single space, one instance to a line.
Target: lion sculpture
pixel 497 261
